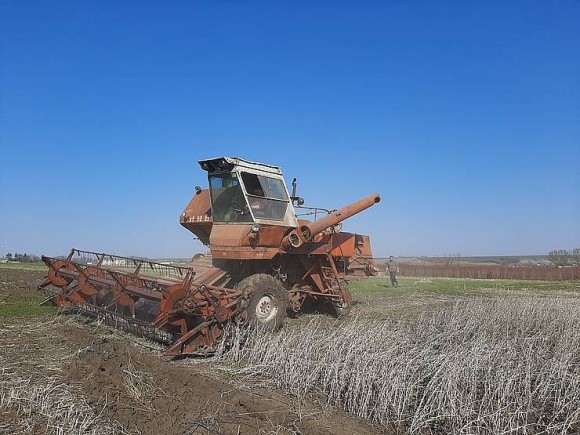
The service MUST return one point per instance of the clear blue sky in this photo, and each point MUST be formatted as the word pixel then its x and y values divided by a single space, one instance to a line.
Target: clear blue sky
pixel 465 116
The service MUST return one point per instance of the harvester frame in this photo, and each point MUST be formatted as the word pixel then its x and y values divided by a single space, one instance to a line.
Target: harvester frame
pixel 264 263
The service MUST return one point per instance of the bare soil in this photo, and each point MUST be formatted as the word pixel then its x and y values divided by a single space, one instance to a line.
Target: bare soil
pixel 129 387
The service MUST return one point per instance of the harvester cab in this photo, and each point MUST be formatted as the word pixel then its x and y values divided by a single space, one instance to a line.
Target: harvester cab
pixel 244 192
pixel 245 213
pixel 250 206
pixel 265 263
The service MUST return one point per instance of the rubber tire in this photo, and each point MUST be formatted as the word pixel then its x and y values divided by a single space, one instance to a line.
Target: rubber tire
pixel 341 311
pixel 262 285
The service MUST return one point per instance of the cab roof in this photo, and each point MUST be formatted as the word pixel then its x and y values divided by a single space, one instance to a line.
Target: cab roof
pixel 227 164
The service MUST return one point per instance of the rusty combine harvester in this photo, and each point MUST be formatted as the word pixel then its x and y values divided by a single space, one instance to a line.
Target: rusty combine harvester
pixel 265 262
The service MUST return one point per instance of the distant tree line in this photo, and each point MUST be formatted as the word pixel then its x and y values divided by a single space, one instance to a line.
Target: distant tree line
pixel 561 257
pixel 446 259
pixel 23 258
pixel 566 266
pixel 489 271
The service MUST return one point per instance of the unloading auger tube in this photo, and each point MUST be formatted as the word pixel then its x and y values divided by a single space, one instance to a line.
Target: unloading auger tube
pixel 307 232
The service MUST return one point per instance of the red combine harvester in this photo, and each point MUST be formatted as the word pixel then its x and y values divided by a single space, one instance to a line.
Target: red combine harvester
pixel 265 262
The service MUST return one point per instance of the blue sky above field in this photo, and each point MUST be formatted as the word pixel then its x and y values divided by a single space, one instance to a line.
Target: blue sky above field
pixel 464 116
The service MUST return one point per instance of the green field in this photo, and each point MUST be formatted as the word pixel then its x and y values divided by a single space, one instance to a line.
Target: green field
pixel 18 295
pixel 24 305
pixel 374 297
pixel 23 266
pixel 411 285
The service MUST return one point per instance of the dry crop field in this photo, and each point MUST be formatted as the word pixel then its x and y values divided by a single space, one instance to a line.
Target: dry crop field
pixel 431 356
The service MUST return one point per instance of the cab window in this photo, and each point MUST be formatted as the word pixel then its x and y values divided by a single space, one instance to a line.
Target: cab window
pixel 267 196
pixel 227 199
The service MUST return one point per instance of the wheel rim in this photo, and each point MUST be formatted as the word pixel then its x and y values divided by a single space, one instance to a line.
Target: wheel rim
pixel 266 309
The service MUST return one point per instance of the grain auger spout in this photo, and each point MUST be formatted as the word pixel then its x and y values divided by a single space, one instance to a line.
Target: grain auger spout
pixel 308 231
pixel 265 261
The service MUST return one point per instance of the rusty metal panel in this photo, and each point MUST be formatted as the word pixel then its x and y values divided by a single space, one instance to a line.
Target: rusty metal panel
pixel 342 245
pixel 197 216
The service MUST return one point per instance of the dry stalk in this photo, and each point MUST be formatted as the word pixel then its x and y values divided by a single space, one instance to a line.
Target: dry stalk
pixel 139 385
pixel 33 396
pixel 506 365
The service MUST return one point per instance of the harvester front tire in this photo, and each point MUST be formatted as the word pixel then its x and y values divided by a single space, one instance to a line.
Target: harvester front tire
pixel 267 301
pixel 342 308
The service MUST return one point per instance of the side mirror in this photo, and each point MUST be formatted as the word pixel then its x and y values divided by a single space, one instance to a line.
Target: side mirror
pixel 296 200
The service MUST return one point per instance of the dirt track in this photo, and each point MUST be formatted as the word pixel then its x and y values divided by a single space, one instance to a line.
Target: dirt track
pixel 131 388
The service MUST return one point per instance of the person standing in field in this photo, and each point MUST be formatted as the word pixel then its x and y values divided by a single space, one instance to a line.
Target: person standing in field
pixel 393 269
